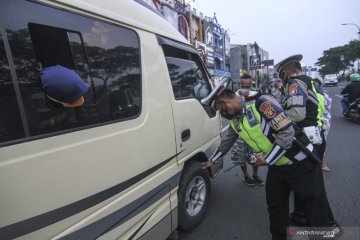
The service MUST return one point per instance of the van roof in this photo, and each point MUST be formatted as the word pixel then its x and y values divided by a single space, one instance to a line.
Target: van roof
pixel 128 12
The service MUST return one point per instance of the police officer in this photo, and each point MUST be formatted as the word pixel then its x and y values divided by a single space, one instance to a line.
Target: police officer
pixel 266 127
pixel 304 103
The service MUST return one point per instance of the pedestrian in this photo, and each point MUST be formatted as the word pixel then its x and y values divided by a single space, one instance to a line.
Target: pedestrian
pixel 240 151
pixel 266 127
pixel 303 101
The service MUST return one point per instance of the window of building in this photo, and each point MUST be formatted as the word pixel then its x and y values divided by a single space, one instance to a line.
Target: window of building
pixel 105 55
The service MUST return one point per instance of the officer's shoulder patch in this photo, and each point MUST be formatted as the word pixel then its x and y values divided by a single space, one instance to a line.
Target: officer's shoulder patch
pixel 267 109
pixel 293 89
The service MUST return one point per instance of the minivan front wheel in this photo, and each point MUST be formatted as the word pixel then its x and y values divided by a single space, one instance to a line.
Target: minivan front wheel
pixel 193 195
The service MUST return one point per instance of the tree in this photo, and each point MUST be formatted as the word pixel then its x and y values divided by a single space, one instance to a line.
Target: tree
pixel 354 52
pixel 335 60
pixel 338 59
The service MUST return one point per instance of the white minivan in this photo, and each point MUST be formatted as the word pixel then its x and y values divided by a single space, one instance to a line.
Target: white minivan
pixel 330 79
pixel 126 164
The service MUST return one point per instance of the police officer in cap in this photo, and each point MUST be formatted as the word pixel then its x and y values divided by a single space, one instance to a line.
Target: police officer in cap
pixel 266 127
pixel 304 103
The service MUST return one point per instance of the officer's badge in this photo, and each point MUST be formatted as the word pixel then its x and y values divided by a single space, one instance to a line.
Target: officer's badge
pixel 267 109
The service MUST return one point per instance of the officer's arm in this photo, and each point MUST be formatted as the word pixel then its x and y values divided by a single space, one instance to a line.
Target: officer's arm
pixel 278 120
pixel 227 140
pixel 295 105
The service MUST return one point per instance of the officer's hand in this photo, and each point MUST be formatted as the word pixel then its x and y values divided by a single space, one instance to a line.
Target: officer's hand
pixel 260 159
pixel 207 164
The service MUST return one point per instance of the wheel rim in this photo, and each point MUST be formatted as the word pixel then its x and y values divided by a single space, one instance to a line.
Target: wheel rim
pixel 195 196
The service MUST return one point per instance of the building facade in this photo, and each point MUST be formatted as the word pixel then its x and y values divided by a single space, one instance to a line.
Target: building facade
pixel 204 33
pixel 240 61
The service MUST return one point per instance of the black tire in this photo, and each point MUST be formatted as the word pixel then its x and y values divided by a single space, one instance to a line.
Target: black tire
pixel 193 173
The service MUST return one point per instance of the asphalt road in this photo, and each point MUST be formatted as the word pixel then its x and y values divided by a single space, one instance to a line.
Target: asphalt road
pixel 240 212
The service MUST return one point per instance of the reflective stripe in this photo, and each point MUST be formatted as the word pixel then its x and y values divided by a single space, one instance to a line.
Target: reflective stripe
pixel 280 155
pixel 314 100
pixel 310 92
pixel 321 104
pixel 269 159
pixel 263 122
pixel 267 129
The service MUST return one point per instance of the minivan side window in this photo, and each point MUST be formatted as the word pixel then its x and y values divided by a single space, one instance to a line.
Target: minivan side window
pixel 57 46
pixel 187 77
pixel 106 56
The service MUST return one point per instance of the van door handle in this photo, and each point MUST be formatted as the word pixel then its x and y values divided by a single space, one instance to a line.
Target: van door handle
pixel 185 135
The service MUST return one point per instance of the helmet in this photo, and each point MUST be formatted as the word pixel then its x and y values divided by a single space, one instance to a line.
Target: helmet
pixel 355 77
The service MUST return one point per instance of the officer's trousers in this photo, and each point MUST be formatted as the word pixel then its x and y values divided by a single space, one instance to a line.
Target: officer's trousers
pixel 306 180
pixel 320 149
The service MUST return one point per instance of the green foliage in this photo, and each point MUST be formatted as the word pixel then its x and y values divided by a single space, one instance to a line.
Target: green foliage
pixel 354 50
pixel 265 78
pixel 338 59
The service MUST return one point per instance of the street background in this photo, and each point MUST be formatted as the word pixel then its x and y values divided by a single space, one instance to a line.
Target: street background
pixel 238 211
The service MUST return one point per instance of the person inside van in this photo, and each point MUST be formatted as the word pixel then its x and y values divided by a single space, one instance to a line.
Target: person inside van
pixel 63 87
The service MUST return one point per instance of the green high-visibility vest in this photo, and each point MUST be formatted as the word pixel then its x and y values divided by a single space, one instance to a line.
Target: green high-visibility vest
pixel 321 105
pixel 251 133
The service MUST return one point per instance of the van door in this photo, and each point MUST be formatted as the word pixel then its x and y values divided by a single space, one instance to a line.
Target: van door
pixel 102 168
pixel 195 124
